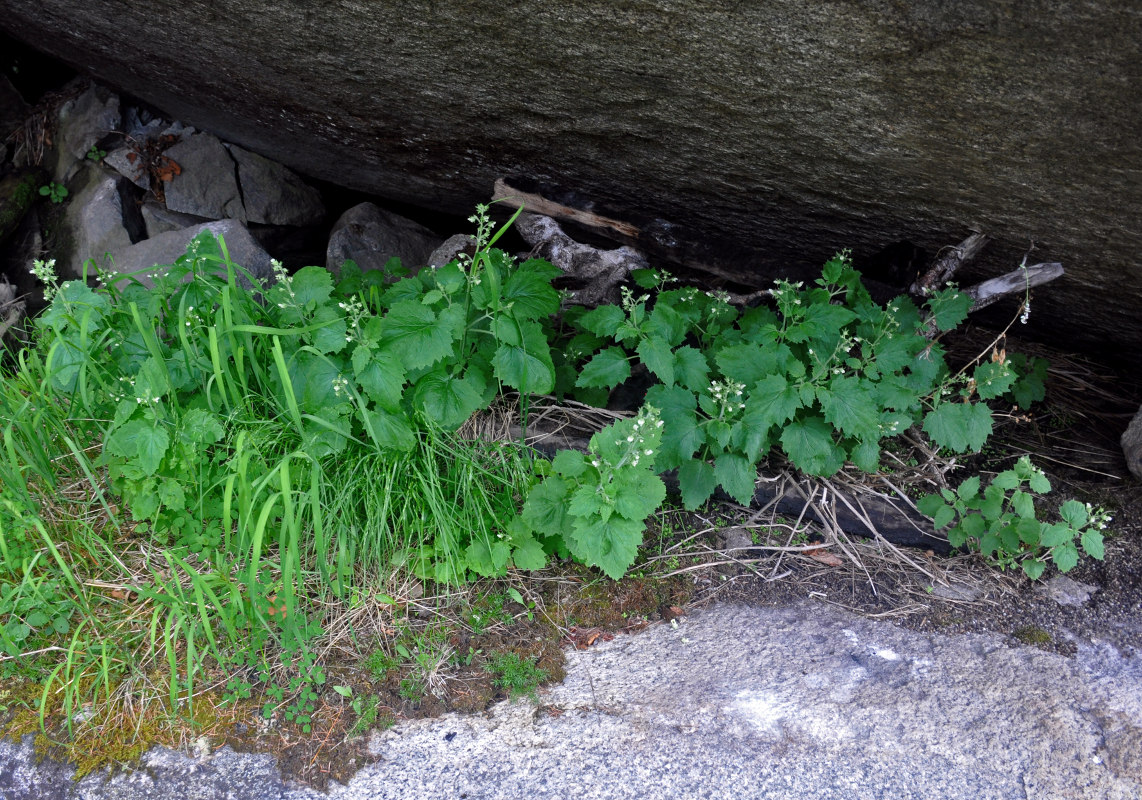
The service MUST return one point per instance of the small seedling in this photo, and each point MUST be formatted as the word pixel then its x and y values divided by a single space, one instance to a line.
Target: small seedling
pixel 96 154
pixel 56 191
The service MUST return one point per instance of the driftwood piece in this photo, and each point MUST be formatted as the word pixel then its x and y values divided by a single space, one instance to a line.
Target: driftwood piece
pixel 1014 282
pixel 946 265
pixel 535 204
pixel 600 271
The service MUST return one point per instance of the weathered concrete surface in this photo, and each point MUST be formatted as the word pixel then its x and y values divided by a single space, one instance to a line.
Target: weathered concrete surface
pixel 802 702
pixel 791 129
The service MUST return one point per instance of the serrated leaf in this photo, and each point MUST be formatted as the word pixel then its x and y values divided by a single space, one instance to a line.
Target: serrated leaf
pixel 611 545
pixel 773 401
pixel 745 363
pixel 606 370
pixel 1074 514
pixel 850 406
pixel 1055 534
pixel 528 554
pixel 529 293
pixel 809 444
pixel 311 286
pixel 1033 568
pixel 569 463
pixel 666 324
pixel 992 379
pixel 381 375
pixel 658 358
pixel 691 369
pixel 681 434
pixel 866 455
pixel 525 364
pixel 171 494
pixel 959 426
pixel 330 338
pixel 1023 504
pixel 929 505
pixel 603 321
pixel 1093 544
pixel 200 427
pixel 588 501
pixel 416 335
pixel 696 482
pixel 949 308
pixel 638 493
pixel 737 476
pixel 448 400
pixel 545 509
pixel 488 558
pixel 1065 556
pixel 142 442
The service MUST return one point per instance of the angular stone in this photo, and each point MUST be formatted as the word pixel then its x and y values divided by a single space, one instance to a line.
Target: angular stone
pixel 273 194
pixel 206 184
pixel 1067 591
pixel 371 236
pixel 82 122
pixel 92 224
pixel 130 168
pixel 452 247
pixel 147 257
pixel 160 219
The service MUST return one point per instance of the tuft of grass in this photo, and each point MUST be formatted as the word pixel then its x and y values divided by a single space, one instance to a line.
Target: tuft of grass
pixel 516 674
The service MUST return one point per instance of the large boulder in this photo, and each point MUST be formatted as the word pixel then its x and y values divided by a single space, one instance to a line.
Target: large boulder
pixel 206 184
pixel 370 236
pixel 782 131
pixel 92 224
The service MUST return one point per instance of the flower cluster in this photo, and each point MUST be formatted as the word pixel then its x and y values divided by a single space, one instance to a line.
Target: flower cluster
pixel 728 396
pixel 1099 517
pixel 648 419
pixel 340 384
pixel 45 272
pixel 355 311
pixel 283 279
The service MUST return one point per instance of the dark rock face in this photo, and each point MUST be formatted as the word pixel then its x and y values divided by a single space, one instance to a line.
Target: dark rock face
pixel 784 131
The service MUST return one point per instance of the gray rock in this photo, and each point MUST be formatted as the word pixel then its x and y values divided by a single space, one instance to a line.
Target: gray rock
pixel 371 236
pixel 92 224
pixel 82 121
pixel 207 184
pixel 273 194
pixel 1132 445
pixel 159 219
pixel 452 247
pixel 147 257
pixel 779 132
pixel 800 703
pixel 125 161
pixel 1066 591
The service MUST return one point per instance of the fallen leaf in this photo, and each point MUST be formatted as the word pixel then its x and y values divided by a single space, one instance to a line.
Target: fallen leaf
pixel 824 556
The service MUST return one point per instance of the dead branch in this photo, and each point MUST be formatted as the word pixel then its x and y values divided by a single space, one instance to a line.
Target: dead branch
pixel 1020 280
pixel 948 263
pixel 534 204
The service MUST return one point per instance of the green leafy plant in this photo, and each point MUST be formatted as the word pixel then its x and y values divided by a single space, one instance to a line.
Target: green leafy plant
pixel 595 506
pixel 56 192
pixel 94 153
pixel 518 675
pixel 1000 521
pixel 824 376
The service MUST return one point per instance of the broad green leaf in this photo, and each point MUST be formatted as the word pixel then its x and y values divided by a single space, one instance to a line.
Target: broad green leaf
pixel 588 501
pixel 773 401
pixel 488 558
pixel 569 463
pixel 389 430
pixel 612 545
pixel 850 406
pixel 691 369
pixel 1029 530
pixel 380 374
pixel 1093 545
pixel 416 335
pixel 666 324
pixel 969 488
pixel 1056 534
pixel 1033 568
pixel 681 434
pixel 696 481
pixel 745 363
pixel 809 444
pixel 866 455
pixel 526 364
pixel 528 554
pixel 945 515
pixel 448 400
pixel 151 382
pixel 311 286
pixel 1074 514
pixel 658 358
pixel 603 321
pixel 959 426
pixel 529 293
pixel 606 370
pixel 1023 504
pixel 200 426
pixel 1065 556
pixel 737 476
pixel 823 323
pixel 949 308
pixel 330 338
pixel 37 619
pixel 171 494
pixel 992 379
pixel 314 380
pixel 930 504
pixel 638 493
pixel 545 509
pixel 142 442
